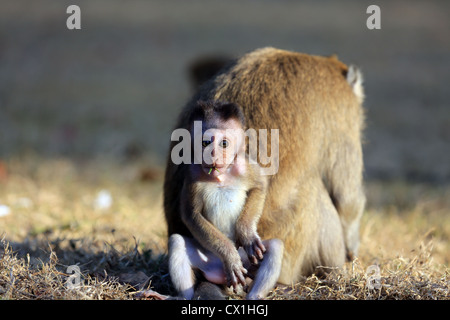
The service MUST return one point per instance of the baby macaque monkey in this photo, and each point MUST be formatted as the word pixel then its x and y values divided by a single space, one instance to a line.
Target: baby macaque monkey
pixel 221 201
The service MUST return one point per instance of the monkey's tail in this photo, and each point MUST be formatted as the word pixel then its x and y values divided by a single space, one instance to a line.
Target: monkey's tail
pixel 355 79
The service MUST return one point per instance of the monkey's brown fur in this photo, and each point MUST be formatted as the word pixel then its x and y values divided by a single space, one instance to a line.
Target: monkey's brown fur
pixel 315 201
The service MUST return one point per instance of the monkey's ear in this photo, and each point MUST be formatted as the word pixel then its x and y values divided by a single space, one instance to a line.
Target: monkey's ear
pixel 355 79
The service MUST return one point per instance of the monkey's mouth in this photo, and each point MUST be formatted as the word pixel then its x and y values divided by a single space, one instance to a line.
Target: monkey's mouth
pixel 215 171
pixel 210 169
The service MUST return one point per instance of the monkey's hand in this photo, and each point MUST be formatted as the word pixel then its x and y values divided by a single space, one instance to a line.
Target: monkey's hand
pixel 234 269
pixel 252 244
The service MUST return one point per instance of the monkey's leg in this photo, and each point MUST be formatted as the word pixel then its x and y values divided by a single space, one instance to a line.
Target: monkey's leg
pixel 186 254
pixel 180 269
pixel 331 238
pixel 347 193
pixel 269 270
pixel 204 260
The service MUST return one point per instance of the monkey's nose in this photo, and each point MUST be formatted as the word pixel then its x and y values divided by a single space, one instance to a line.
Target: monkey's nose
pixel 217 161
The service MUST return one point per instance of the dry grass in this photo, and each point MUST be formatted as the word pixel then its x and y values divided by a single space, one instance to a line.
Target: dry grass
pixel 400 278
pixel 54 223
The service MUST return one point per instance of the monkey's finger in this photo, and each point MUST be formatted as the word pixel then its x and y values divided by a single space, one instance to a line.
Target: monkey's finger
pixel 250 249
pixel 232 281
pixel 260 245
pixel 237 276
pixel 259 248
pixel 241 277
pixel 259 253
pixel 253 259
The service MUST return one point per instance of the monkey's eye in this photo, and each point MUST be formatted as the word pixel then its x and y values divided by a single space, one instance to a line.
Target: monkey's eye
pixel 224 143
pixel 205 143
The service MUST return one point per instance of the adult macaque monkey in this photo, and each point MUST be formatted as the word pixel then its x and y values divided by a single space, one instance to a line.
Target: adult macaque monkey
pixel 221 200
pixel 314 203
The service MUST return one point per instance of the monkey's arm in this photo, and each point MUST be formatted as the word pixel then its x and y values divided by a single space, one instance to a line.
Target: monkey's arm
pixel 246 226
pixel 211 238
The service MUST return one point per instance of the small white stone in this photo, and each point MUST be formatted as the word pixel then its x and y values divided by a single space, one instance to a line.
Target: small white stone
pixel 103 200
pixel 4 210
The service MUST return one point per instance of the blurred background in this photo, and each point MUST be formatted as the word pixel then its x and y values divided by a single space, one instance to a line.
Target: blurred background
pixel 86 117
pixel 114 88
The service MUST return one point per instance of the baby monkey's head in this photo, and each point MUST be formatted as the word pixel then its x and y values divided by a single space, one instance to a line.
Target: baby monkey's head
pixel 222 137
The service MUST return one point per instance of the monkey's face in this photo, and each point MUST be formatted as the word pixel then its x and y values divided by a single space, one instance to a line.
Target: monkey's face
pixel 220 148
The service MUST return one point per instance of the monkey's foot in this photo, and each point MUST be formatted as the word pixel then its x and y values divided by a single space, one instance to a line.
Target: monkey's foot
pixel 151 294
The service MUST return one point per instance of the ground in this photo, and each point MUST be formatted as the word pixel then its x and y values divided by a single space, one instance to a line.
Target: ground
pixel 57 219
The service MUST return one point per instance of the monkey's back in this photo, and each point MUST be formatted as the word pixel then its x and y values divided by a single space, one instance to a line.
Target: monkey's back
pixel 306 97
